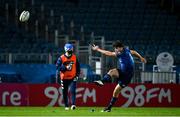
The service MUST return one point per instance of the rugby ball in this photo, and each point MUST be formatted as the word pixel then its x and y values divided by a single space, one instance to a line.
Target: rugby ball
pixel 24 16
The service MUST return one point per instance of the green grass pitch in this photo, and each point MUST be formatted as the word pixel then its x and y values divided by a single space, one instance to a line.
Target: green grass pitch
pixel 87 111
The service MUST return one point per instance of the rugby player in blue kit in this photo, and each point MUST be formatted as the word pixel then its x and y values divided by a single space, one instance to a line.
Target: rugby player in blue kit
pixel 123 73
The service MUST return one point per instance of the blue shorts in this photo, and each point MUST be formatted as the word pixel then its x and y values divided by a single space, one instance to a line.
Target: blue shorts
pixel 124 78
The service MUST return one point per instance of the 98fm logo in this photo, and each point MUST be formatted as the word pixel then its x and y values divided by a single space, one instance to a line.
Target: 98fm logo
pixel 141 95
pixel 69 65
pixel 55 95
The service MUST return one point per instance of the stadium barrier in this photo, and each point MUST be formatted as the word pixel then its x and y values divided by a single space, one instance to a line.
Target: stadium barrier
pixel 135 95
pixel 159 77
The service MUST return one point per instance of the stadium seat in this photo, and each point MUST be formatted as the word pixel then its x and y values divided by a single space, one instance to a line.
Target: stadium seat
pixel 137 23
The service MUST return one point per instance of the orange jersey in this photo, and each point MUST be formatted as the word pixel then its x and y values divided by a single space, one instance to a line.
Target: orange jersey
pixel 71 63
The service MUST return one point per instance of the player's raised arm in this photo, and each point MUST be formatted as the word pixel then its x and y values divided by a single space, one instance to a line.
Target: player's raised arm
pixel 135 53
pixel 105 52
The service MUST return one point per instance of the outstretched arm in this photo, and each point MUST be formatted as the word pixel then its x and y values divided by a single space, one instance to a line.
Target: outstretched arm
pixel 135 53
pixel 105 52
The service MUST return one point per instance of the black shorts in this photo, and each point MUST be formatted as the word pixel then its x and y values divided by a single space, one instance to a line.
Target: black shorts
pixel 66 83
pixel 124 78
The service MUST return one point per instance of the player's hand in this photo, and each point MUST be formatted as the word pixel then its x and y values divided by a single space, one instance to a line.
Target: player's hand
pixel 94 47
pixel 76 78
pixel 143 60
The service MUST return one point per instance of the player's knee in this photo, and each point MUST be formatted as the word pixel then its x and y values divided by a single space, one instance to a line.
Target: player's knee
pixel 111 71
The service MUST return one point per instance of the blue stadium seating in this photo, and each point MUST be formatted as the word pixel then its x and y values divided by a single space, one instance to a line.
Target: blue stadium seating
pixel 115 19
pixel 36 73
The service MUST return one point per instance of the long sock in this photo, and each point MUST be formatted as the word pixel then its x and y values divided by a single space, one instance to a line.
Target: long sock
pixel 112 102
pixel 65 96
pixel 106 78
pixel 73 92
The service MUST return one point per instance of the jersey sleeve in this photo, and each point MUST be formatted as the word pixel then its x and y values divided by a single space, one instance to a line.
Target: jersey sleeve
pixel 59 65
pixel 127 49
pixel 118 54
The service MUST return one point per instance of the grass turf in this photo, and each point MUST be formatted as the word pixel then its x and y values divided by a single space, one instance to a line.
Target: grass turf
pixel 87 111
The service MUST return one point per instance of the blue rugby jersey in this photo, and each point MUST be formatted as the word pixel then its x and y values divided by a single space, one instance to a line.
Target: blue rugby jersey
pixel 125 61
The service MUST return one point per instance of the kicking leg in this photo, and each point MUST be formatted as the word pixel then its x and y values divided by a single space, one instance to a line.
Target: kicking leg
pixel 113 73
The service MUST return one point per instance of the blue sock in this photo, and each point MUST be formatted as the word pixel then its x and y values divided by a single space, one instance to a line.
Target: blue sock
pixel 112 102
pixel 106 78
pixel 73 92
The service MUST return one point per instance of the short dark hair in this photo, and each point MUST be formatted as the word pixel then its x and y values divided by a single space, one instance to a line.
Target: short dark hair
pixel 118 44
